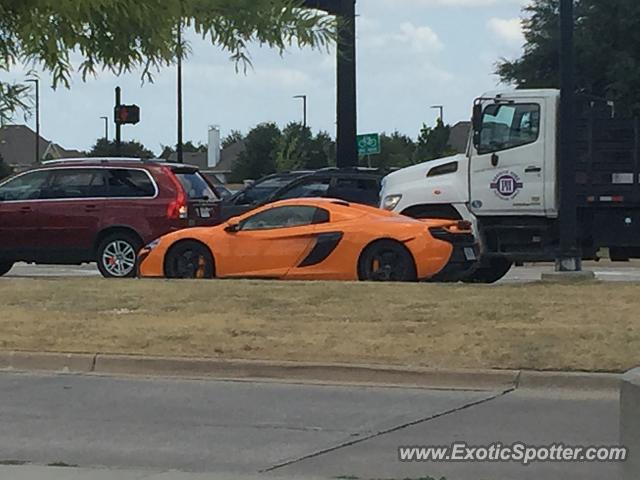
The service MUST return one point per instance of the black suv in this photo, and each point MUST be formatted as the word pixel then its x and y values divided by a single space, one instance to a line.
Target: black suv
pixel 356 185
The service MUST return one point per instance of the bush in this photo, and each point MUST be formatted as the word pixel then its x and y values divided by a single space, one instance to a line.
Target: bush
pixel 5 170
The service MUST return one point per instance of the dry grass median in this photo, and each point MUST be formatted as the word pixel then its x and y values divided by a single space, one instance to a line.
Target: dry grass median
pixel 536 326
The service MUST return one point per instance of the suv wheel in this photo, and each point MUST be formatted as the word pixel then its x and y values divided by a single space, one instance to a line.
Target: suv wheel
pixel 117 255
pixel 5 267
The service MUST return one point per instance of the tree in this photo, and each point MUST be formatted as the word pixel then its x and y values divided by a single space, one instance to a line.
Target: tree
pixel 123 35
pixel 433 142
pixel 396 151
pixel 607 42
pixel 133 149
pixel 300 150
pixel 258 158
pixel 234 136
pixel 187 147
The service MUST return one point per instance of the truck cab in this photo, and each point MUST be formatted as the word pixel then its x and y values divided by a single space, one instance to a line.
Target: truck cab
pixel 507 182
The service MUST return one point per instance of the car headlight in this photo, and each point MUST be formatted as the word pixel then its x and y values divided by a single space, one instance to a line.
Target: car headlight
pixel 153 244
pixel 391 202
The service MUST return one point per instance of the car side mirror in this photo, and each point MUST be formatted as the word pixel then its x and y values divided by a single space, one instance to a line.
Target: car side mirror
pixel 477 117
pixel 232 228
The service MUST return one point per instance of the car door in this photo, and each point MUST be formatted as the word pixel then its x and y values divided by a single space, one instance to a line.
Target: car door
pixel 507 170
pixel 72 212
pixel 20 198
pixel 269 243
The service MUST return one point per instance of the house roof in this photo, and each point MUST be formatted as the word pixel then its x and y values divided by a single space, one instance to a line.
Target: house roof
pixel 198 159
pixel 17 146
pixel 229 156
pixel 459 136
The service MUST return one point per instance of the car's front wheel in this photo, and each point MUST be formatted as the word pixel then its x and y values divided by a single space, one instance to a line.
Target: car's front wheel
pixel 5 267
pixel 117 255
pixel 387 261
pixel 189 259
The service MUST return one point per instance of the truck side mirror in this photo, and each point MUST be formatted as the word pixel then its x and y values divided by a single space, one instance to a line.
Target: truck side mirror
pixel 477 117
pixel 476 122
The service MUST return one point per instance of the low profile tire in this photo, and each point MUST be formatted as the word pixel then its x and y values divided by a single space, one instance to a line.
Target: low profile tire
pixel 189 259
pixel 117 255
pixel 387 261
pixel 493 271
pixel 5 267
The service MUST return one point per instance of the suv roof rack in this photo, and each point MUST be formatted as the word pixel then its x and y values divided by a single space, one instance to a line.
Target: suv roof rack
pixel 94 160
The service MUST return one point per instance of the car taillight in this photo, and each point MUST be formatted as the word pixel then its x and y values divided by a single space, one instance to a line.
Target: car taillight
pixel 177 209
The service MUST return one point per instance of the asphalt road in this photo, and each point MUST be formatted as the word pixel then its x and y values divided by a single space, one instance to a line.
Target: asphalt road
pixel 607 271
pixel 151 426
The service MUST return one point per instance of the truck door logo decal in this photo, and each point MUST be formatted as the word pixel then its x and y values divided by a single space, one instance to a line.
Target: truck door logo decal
pixel 506 185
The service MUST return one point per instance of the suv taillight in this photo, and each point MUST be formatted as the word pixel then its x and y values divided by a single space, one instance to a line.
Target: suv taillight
pixel 177 209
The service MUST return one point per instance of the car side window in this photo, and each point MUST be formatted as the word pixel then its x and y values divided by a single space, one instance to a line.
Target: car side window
pixel 285 217
pixel 357 190
pixel 128 183
pixel 507 126
pixel 28 186
pixel 313 187
pixel 76 183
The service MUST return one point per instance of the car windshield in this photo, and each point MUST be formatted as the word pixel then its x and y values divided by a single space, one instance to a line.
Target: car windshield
pixel 195 186
pixel 258 192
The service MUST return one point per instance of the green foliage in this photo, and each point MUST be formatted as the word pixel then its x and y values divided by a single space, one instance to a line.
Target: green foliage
pixel 124 35
pixel 433 142
pixel 5 170
pixel 607 42
pixel 234 136
pixel 187 147
pixel 259 155
pixel 133 149
pixel 397 151
pixel 300 150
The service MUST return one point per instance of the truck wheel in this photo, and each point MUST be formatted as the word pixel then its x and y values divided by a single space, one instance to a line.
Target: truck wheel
pixel 491 271
pixel 5 267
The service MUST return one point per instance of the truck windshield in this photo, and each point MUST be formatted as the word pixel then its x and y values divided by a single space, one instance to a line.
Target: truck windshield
pixel 508 126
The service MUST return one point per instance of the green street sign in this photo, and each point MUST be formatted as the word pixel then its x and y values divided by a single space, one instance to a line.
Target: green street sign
pixel 368 144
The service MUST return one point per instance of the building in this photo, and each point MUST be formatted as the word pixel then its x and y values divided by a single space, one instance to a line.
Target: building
pixel 18 147
pixel 459 136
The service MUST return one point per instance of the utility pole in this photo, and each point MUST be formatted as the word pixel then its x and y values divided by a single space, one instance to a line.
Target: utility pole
pixel 569 257
pixel 347 150
pixel 106 128
pixel 179 149
pixel 36 83
pixel 441 109
pixel 118 125
pixel 304 109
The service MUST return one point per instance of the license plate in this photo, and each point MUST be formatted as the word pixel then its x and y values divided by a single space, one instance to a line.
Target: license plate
pixel 470 254
pixel 205 213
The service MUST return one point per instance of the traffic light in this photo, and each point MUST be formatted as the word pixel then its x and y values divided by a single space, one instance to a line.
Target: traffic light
pixel 127 114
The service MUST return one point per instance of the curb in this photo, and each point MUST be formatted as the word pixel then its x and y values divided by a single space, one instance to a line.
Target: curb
pixel 454 379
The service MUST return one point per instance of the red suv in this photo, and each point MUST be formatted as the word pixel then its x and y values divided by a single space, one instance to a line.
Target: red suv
pixel 99 210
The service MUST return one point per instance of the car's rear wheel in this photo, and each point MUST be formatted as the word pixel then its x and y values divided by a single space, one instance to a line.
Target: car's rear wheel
pixel 387 261
pixel 189 259
pixel 117 255
pixel 5 267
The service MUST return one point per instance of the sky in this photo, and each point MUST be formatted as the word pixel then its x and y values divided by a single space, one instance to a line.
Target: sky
pixel 411 54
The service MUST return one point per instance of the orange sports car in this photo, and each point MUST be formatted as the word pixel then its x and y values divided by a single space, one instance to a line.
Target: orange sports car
pixel 315 239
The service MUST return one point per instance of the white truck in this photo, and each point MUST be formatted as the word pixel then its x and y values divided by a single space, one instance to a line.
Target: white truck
pixel 506 183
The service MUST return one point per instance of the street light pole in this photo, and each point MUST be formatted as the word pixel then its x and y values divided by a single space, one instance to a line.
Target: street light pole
pixel 441 109
pixel 179 149
pixel 304 108
pixel 106 128
pixel 36 83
